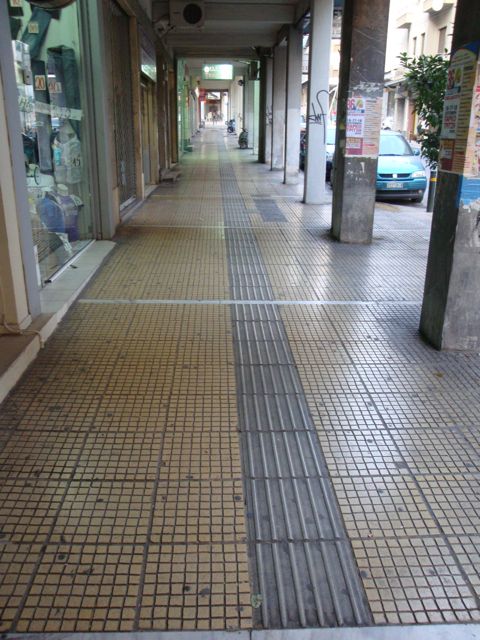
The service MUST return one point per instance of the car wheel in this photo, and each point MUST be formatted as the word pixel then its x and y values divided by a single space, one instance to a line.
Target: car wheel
pixel 418 200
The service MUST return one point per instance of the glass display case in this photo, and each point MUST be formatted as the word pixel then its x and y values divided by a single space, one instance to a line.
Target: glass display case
pixel 48 66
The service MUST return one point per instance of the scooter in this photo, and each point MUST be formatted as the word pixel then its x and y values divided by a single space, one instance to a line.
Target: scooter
pixel 231 126
pixel 243 139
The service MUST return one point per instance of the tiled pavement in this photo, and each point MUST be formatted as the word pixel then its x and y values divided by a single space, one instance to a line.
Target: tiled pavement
pixel 131 451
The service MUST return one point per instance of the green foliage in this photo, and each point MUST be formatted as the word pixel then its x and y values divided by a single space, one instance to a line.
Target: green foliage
pixel 426 78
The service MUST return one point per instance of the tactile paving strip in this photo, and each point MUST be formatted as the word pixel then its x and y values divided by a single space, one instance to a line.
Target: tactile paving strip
pixel 304 571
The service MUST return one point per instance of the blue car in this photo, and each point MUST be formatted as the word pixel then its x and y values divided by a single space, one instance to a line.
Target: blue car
pixel 400 172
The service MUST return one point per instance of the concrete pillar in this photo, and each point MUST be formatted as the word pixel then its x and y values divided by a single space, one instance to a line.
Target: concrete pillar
pixel 268 109
pixel 450 316
pixel 293 100
pixel 256 116
pixel 162 114
pixel 249 110
pixel 243 103
pixel 278 109
pixel 13 293
pixel 18 275
pixel 173 113
pixel 236 100
pixel 364 37
pixel 135 54
pixel 262 124
pixel 321 14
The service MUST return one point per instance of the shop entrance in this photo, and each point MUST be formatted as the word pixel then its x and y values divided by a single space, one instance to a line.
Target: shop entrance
pixel 214 107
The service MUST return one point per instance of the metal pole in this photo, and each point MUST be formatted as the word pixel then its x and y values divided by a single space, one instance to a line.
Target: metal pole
pixel 432 184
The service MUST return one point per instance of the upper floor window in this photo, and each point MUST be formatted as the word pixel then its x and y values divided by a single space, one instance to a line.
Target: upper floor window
pixel 442 40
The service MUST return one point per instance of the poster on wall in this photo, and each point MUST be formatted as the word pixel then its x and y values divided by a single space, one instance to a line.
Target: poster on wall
pixel 470 188
pixel 460 135
pixel 473 143
pixel 364 114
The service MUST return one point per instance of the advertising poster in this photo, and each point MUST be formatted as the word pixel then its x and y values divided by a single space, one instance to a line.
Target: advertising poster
pixel 470 190
pixel 472 167
pixel 364 116
pixel 459 137
pixel 355 125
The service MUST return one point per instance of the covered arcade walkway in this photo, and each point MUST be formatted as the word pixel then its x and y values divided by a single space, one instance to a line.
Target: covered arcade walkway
pixel 238 426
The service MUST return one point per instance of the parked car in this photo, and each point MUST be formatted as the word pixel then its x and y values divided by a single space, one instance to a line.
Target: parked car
pixel 330 148
pixel 400 171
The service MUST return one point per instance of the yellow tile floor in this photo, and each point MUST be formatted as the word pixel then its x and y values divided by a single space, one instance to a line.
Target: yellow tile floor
pixel 121 499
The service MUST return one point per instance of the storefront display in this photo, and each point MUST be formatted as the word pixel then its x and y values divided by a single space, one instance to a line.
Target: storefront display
pixel 48 62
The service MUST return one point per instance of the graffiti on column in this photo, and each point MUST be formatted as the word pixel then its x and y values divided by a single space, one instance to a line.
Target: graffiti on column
pixel 317 114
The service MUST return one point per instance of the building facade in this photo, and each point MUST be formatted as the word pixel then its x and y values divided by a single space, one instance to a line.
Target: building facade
pixel 418 27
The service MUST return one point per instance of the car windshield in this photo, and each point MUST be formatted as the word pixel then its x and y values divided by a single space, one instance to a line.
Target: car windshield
pixel 394 146
pixel 331 135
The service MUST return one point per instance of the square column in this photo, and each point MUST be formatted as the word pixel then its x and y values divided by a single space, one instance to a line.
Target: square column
pixel 268 110
pixel 292 105
pixel 265 115
pixel 359 115
pixel 451 303
pixel 321 14
pixel 236 102
pixel 249 113
pixel 162 110
pixel 20 297
pixel 278 108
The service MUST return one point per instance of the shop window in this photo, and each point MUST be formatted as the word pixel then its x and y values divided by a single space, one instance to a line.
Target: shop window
pixel 48 63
